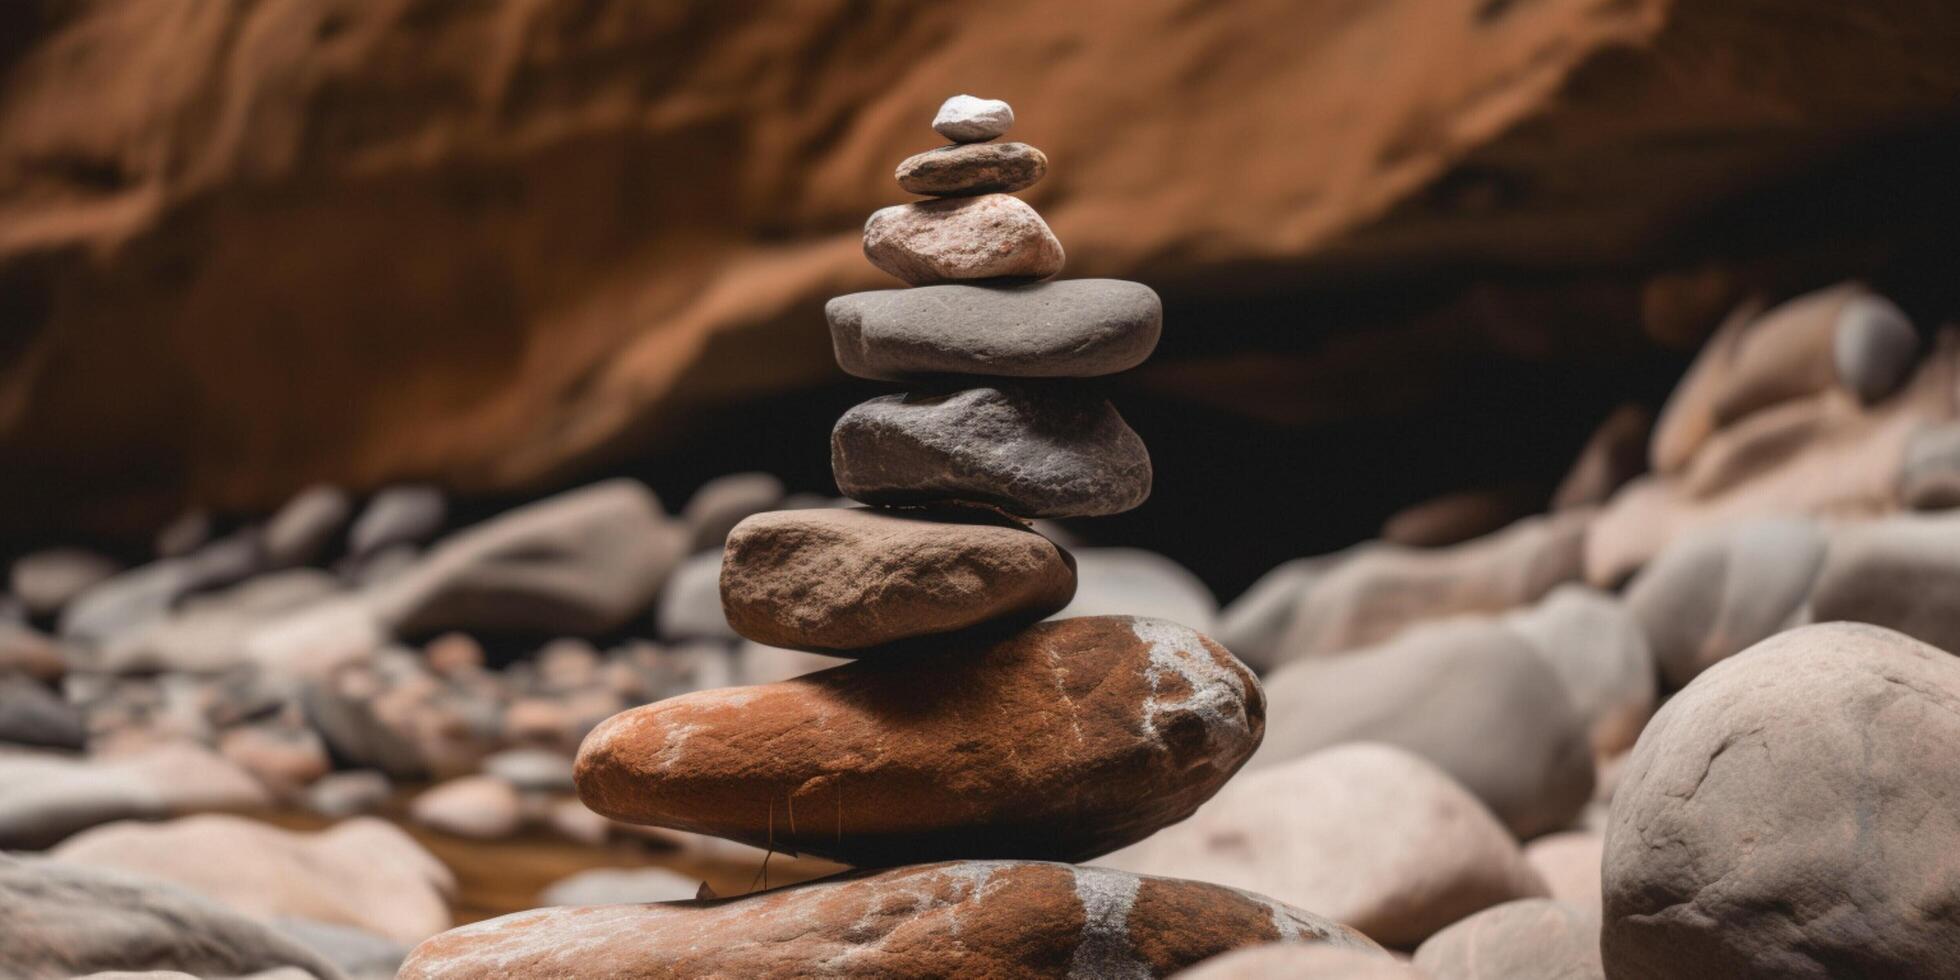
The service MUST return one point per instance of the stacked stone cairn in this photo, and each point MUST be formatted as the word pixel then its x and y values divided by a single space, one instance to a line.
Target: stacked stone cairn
pixel 968 744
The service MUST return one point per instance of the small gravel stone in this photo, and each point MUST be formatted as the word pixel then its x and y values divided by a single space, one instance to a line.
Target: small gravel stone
pixel 965 119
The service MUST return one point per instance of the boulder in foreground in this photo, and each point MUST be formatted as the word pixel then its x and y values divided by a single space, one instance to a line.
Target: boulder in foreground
pixel 1791 814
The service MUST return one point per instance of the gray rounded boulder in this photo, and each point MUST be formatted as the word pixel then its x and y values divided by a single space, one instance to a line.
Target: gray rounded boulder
pixel 1791 814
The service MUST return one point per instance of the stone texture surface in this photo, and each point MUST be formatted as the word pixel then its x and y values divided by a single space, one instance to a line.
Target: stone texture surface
pixel 1007 919
pixel 1718 591
pixel 1902 573
pixel 1469 695
pixel 833 580
pixel 406 514
pixel 1371 836
pixel 1033 450
pixel 46 580
pixel 1067 328
pixel 477 807
pixel 968 119
pixel 690 602
pixel 1569 863
pixel 1822 455
pixel 1600 654
pixel 1063 741
pixel 360 955
pixel 1790 814
pixel 992 236
pixel 1530 939
pixel 1375 592
pixel 1930 476
pixel 363 872
pixel 531 333
pixel 298 532
pixel 32 714
pixel 49 797
pixel 59 921
pixel 580 563
pixel 1272 960
pixel 972 168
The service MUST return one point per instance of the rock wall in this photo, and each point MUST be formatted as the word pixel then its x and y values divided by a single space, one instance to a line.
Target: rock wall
pixel 244 246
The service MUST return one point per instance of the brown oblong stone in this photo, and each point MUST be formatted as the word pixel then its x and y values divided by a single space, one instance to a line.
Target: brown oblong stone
pixel 965 169
pixel 1062 741
pixel 850 579
pixel 1005 919
pixel 992 236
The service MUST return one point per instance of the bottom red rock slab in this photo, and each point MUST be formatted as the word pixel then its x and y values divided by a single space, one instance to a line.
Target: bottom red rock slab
pixel 970 919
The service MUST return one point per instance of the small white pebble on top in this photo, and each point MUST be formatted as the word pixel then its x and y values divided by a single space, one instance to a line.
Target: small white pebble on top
pixel 965 119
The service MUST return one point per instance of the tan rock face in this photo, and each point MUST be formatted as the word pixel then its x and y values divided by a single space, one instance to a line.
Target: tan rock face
pixel 829 580
pixel 992 919
pixel 1368 835
pixel 1063 741
pixel 988 237
pixel 972 168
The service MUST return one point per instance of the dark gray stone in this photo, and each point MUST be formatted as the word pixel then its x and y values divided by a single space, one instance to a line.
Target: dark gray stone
pixel 407 514
pixel 1075 328
pixel 972 168
pixel 30 714
pixel 59 920
pixel 1031 450
pixel 1874 347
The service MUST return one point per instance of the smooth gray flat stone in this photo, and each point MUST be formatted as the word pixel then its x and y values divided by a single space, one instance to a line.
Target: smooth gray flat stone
pixel 1034 450
pixel 1075 328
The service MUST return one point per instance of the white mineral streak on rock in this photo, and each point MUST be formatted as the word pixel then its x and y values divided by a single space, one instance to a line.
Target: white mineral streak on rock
pixel 1105 951
pixel 864 934
pixel 1217 692
pixel 1058 669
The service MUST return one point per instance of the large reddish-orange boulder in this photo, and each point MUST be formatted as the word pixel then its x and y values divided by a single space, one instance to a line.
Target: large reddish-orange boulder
pixel 980 919
pixel 1063 741
pixel 847 579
